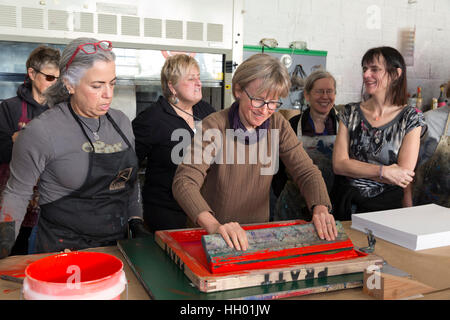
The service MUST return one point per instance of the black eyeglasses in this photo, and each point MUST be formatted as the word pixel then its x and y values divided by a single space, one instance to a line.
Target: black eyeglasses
pixel 48 77
pixel 259 103
pixel 90 48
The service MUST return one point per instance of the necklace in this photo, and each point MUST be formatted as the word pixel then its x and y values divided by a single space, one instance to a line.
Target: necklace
pixel 95 133
pixel 190 114
pixel 374 117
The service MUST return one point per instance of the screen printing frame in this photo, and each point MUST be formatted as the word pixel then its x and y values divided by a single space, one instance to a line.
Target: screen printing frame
pixel 196 270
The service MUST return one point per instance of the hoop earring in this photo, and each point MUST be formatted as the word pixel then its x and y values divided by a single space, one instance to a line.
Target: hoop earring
pixel 175 100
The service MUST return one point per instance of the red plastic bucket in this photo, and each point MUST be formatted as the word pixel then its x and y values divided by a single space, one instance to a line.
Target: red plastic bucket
pixel 75 276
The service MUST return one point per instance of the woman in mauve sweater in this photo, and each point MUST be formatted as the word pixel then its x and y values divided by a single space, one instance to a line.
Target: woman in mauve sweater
pixel 224 179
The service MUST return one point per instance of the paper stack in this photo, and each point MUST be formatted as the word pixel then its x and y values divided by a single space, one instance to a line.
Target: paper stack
pixel 415 228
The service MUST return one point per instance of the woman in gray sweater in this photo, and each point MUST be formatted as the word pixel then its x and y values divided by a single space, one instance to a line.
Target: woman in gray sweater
pixel 82 154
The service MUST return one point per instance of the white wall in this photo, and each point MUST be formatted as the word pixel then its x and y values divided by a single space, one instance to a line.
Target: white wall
pixel 348 28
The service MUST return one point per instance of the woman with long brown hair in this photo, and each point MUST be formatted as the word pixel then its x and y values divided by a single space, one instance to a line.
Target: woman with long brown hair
pixel 378 140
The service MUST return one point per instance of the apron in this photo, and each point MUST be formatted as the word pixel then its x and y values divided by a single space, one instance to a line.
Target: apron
pixel 32 214
pixel 291 205
pixel 432 183
pixel 96 214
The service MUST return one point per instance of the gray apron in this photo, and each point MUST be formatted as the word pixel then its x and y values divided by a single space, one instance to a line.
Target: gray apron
pixel 432 182
pixel 291 204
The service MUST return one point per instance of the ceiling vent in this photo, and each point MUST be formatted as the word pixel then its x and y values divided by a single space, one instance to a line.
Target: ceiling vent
pixel 194 31
pixel 107 23
pixel 58 20
pixel 152 28
pixel 32 18
pixel 130 26
pixel 174 29
pixel 215 32
pixel 83 22
pixel 8 14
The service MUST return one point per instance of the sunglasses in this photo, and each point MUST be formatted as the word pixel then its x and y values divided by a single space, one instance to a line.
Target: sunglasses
pixel 90 48
pixel 48 77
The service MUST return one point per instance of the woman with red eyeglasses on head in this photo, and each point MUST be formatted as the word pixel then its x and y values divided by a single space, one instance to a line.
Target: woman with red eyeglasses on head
pixel 15 113
pixel 82 152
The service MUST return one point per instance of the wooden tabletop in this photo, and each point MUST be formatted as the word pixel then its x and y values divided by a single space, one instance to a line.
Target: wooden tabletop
pixel 430 267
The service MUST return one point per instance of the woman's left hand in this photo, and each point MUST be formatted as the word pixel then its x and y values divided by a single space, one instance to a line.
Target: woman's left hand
pixel 324 223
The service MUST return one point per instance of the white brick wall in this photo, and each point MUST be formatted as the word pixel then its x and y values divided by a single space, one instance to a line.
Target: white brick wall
pixel 348 28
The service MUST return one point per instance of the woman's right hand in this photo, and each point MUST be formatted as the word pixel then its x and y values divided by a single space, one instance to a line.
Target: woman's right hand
pixel 232 232
pixel 397 175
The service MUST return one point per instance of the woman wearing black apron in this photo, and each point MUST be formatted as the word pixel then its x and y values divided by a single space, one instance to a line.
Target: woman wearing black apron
pixel 316 128
pixel 83 156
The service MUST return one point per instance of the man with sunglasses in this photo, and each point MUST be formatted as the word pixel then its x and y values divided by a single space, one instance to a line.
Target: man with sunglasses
pixel 15 113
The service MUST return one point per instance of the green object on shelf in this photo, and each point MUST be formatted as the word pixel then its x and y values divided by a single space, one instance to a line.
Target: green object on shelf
pixel 286 51
pixel 162 278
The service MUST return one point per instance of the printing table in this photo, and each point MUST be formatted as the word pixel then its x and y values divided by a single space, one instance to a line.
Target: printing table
pixel 431 267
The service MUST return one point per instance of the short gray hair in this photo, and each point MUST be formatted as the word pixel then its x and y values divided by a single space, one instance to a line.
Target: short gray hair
pixel 317 75
pixel 58 92
pixel 262 66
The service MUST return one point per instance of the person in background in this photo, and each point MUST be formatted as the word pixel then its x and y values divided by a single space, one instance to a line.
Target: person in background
pixel 180 107
pixel 82 153
pixel 221 193
pixel 432 181
pixel 15 113
pixel 316 128
pixel 378 140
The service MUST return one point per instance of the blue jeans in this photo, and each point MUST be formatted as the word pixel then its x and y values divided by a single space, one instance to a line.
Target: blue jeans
pixel 32 241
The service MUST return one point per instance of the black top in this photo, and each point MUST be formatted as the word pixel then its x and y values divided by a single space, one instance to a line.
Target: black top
pixel 153 130
pixel 307 127
pixel 10 112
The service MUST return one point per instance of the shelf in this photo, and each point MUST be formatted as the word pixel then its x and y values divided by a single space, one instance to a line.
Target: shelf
pixel 287 51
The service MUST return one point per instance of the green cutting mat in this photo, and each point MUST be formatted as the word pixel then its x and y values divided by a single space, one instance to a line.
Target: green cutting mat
pixel 162 279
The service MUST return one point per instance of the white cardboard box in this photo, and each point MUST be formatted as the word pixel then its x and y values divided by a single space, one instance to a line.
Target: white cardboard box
pixel 415 228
